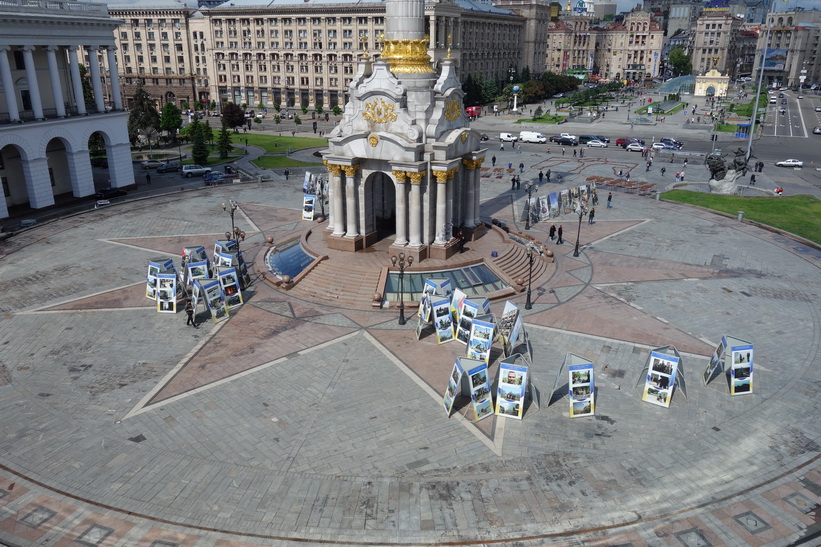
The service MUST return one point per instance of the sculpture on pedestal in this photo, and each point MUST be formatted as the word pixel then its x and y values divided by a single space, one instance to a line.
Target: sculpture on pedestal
pixel 723 175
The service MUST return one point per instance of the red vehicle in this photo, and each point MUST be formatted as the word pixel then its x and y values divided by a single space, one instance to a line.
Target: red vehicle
pixel 624 141
pixel 473 112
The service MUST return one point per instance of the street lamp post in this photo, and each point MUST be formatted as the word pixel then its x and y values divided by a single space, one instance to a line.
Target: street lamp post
pixel 531 250
pixel 402 262
pixel 236 234
pixel 582 210
pixel 529 188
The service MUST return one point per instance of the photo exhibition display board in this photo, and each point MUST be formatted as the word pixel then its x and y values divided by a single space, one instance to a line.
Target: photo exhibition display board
pixel 456 300
pixel 480 395
pixel 308 202
pixel 224 246
pixel 424 314
pixel 437 287
pixel 581 386
pixel 509 327
pixel 554 204
pixel 470 309
pixel 544 210
pixel 443 320
pixel 510 393
pixel 156 266
pixel 454 385
pixel 214 299
pixel 230 288
pixel 740 354
pixel 481 338
pixel 715 361
pixel 167 292
pixel 661 376
pixel 194 254
pixel 197 270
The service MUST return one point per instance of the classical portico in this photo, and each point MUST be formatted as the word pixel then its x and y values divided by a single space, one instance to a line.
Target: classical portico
pixel 403 162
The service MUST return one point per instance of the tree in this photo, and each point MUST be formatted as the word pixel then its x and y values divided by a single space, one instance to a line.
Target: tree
pixel 170 119
pixel 198 105
pixel 297 120
pixel 88 92
pixel 277 119
pixel 199 151
pixel 304 109
pixel 277 107
pixel 337 110
pixel 143 115
pixel 538 113
pixel 224 143
pixel 207 132
pixel 318 109
pixel 232 116
pixel 258 121
pixel 185 105
pixel 212 105
pixel 680 62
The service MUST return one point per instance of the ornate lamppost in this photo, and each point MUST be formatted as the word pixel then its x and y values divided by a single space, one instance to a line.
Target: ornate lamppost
pixel 531 251
pixel 236 234
pixel 402 262
pixel 529 188
pixel 582 210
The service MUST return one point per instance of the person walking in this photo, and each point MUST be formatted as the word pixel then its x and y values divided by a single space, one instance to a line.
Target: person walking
pixel 493 161
pixel 663 170
pixel 512 183
pixel 574 152
pixel 541 176
pixel 590 215
pixel 752 180
pixel 521 167
pixel 518 182
pixel 548 175
pixel 552 232
pixel 609 200
pixel 647 167
pixel 189 311
pixel 560 232
pixel 510 165
pixel 148 178
pixel 627 176
pixel 562 150
pixel 502 146
pixel 761 167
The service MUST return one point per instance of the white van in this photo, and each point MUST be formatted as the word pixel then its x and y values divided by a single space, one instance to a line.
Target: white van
pixel 532 136
pixel 508 137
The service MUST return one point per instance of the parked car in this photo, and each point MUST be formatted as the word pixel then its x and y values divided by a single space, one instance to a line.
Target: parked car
pixel 817 130
pixel 169 166
pixel 596 143
pixel 818 108
pixel 672 142
pixel 780 95
pixel 108 193
pixel 532 136
pixel 790 163
pixel 773 100
pixel 634 147
pixel 508 137
pixel 660 146
pixel 484 137
pixel 567 141
pixel 151 164
pixel 783 101
pixel 602 138
pixel 193 169
pixel 800 97
pixel 624 141
pixel 213 179
pixel 584 139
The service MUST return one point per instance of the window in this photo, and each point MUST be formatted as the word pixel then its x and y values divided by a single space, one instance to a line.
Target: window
pixel 151 35
pixel 123 36
pixel 164 36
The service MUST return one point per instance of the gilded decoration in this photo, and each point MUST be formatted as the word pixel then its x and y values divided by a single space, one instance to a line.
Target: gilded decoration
pixel 452 172
pixel 416 178
pixel 334 169
pixel 441 176
pixel 350 170
pixel 400 176
pixel 472 164
pixel 464 136
pixel 407 56
pixel 373 140
pixel 453 109
pixel 378 111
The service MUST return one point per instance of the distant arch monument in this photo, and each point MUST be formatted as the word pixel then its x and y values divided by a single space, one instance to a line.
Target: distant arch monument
pixel 403 162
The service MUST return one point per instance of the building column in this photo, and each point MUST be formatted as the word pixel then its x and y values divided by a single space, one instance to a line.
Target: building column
pixel 54 76
pixel 336 196
pixel 120 168
pixel 79 170
pixel 477 183
pixel 114 77
pixel 470 202
pixel 38 183
pixel 401 209
pixel 449 215
pixel 34 87
pixel 76 80
pixel 415 209
pixel 350 196
pixel 441 206
pixel 330 195
pixel 8 87
pixel 97 86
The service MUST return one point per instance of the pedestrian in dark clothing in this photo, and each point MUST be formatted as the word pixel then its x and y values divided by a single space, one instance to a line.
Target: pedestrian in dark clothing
pixel 591 215
pixel 752 180
pixel 561 231
pixel 512 183
pixel 493 161
pixel 189 310
pixel 541 176
pixel 574 152
pixel 627 176
pixel 148 178
pixel 518 182
pixel 521 167
pixel 663 170
pixel 287 174
pixel 548 175
pixel 609 200
pixel 621 173
pixel 552 232
pixel 761 168
pixel 562 151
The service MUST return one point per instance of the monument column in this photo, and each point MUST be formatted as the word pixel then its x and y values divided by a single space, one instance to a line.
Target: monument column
pixel 415 209
pixel 441 206
pixel 350 204
pixel 401 209
pixel 336 220
pixel 477 181
pixel 94 69
pixel 114 77
pixel 470 201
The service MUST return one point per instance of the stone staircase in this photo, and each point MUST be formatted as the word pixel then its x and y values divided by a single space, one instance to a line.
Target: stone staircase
pixel 330 286
pixel 513 263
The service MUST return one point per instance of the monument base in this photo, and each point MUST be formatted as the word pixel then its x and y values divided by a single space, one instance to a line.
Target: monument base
pixel 443 252
pixel 344 243
pixel 472 234
pixel 418 253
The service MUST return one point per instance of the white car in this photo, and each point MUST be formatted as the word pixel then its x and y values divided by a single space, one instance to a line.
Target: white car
pixel 634 147
pixel 818 108
pixel 790 163
pixel 194 170
pixel 659 146
pixel 568 136
pixel 596 143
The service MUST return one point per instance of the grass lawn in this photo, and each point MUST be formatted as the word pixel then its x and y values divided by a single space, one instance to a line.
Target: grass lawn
pixel 726 127
pixel 544 119
pixel 800 215
pixel 277 145
pixel 279 162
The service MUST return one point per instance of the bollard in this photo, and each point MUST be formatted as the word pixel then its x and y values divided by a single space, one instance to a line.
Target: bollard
pixel 740 216
pixel 658 196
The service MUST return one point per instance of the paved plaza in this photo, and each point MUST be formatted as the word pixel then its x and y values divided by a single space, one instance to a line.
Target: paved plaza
pixel 317 421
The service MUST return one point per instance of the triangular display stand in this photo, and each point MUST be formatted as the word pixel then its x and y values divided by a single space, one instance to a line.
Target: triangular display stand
pixel 580 387
pixel 514 386
pixel 716 362
pixel 437 287
pixel 660 374
pixel 738 363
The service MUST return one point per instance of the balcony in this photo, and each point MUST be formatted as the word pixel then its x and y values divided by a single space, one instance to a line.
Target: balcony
pixel 27 116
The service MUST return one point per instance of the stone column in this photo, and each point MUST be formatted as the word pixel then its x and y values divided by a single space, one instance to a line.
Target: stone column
pixel 54 76
pixel 350 195
pixel 477 182
pixel 120 169
pixel 34 87
pixel 97 86
pixel 38 183
pixel 8 87
pixel 336 196
pixel 401 209
pixel 451 219
pixel 470 202
pixel 79 169
pixel 415 209
pixel 76 80
pixel 441 206
pixel 114 77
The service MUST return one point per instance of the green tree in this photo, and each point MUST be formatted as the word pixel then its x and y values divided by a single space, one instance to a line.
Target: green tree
pixel 185 105
pixel 261 106
pixel 318 109
pixel 337 110
pixel 277 107
pixel 297 120
pixel 233 116
pixel 88 92
pixel 143 115
pixel 198 105
pixel 224 143
pixel 170 119
pixel 489 90
pixel 304 109
pixel 199 151
pixel 538 113
pixel 208 132
pixel 680 62
pixel 277 119
pixel 258 121
pixel 212 105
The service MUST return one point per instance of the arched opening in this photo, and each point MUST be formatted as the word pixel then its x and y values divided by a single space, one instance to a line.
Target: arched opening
pixel 12 176
pixel 58 169
pixel 98 154
pixel 382 204
pixel 170 97
pixel 711 90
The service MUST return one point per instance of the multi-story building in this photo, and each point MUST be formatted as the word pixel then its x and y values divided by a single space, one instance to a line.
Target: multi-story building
pixel 571 46
pixel 629 50
pixel 794 48
pixel 49 112
pixel 536 14
pixel 714 42
pixel 682 16
pixel 252 52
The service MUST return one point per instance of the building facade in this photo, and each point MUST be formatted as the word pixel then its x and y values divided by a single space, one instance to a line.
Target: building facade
pixel 629 50
pixel 49 112
pixel 794 47
pixel 714 42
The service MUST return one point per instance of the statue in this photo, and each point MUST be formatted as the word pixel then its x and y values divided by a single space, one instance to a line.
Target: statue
pixel 715 163
pixel 740 161
pixel 723 176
